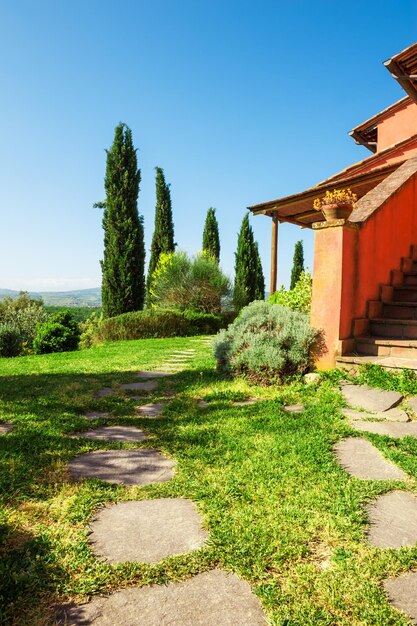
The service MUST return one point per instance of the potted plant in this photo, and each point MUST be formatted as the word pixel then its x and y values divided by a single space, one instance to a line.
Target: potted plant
pixel 336 204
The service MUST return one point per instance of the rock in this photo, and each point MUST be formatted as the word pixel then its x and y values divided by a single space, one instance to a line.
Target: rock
pixel 362 460
pixel 294 408
pixel 392 415
pixel 390 429
pixel 393 518
pixel 150 385
pixel 125 467
pixel 402 593
pixel 412 403
pixel 369 399
pixel 114 433
pixel 214 598
pixel 5 428
pixel 311 377
pixel 147 531
pixel 150 410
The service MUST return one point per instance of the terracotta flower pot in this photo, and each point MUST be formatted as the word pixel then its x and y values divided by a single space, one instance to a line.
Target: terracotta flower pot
pixel 337 211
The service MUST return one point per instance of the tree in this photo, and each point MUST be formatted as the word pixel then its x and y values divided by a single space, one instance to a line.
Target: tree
pixel 123 280
pixel 211 239
pixel 298 264
pixel 249 281
pixel 163 234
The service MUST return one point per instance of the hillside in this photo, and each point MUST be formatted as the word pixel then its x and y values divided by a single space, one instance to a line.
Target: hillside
pixel 81 297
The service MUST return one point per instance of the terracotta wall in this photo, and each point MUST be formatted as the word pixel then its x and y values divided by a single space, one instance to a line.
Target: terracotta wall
pixel 382 240
pixel 398 126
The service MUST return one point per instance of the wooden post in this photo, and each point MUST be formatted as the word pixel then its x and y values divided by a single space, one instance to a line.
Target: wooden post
pixel 274 253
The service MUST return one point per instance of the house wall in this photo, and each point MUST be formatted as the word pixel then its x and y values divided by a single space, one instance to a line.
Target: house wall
pixel 398 126
pixel 382 240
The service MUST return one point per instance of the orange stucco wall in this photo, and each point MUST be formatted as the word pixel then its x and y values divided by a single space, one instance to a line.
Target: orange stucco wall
pixel 383 239
pixel 398 126
pixel 350 265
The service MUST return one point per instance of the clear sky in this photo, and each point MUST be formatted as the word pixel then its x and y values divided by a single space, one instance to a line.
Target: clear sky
pixel 239 101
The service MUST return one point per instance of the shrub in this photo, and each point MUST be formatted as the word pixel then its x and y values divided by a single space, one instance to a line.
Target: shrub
pixel 25 314
pixel 10 340
pixel 196 283
pixel 144 324
pixel 90 329
pixel 298 298
pixel 267 343
pixel 59 334
pixel 203 323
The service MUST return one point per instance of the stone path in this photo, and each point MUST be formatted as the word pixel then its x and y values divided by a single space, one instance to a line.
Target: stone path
pixel 362 460
pixel 125 467
pixel 247 401
pixel 144 374
pixel 402 593
pixel 393 519
pixel 150 385
pixel 369 399
pixel 150 410
pixel 147 531
pixel 214 598
pixel 114 433
pixel 391 429
pixel 5 428
pixel 392 415
pixel 94 415
pixel 294 408
pixel 104 393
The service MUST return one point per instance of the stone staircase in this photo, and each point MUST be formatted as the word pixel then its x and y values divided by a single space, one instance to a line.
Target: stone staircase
pixel 388 335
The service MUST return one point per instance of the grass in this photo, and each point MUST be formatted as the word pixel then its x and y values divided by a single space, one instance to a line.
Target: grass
pixel 281 513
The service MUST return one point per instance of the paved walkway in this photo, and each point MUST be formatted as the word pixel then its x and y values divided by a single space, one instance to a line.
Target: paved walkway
pixel 393 515
pixel 148 531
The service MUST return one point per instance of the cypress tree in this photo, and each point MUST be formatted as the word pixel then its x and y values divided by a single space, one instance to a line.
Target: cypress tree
pixel 249 282
pixel 298 264
pixel 163 234
pixel 123 281
pixel 260 279
pixel 211 239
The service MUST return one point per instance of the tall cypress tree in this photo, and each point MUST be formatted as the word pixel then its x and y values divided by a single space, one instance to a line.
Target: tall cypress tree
pixel 163 234
pixel 298 264
pixel 249 282
pixel 211 239
pixel 123 280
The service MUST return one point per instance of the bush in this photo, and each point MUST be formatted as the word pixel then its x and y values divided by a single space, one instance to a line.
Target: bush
pixel 298 298
pixel 10 340
pixel 203 323
pixel 59 334
pixel 144 324
pixel 90 329
pixel 181 282
pixel 267 343
pixel 25 314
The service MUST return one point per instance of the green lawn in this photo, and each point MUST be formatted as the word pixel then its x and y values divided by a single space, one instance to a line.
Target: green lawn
pixel 280 511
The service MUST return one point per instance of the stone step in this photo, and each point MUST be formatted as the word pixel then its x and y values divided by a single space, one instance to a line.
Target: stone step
pixel 393 328
pixel 383 346
pixel 395 310
pixel 352 363
pixel 404 293
pixel 410 278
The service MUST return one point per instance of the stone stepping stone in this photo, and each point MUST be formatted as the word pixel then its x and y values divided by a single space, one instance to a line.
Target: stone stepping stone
pixel 392 415
pixel 370 399
pixel 104 393
pixel 144 374
pixel 393 519
pixel 147 531
pixel 391 429
pixel 5 428
pixel 189 352
pixel 150 385
pixel 412 403
pixel 294 408
pixel 203 404
pixel 247 401
pixel 215 598
pixel 402 593
pixel 362 460
pixel 95 415
pixel 113 433
pixel 150 410
pixel 123 467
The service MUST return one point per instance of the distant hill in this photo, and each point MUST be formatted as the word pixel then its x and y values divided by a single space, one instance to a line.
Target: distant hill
pixel 81 297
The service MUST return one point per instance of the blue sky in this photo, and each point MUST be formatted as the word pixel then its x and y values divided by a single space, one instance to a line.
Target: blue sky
pixel 238 101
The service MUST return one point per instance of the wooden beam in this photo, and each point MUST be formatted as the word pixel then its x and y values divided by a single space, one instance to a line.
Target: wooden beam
pixel 274 253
